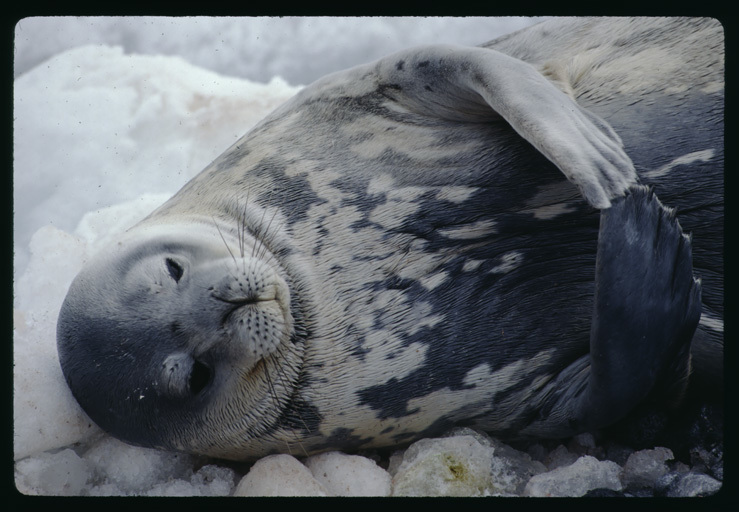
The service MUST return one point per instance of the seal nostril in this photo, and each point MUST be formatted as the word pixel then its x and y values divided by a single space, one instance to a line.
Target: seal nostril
pixel 175 269
pixel 199 377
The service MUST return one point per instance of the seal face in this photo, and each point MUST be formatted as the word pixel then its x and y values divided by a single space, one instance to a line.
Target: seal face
pixel 444 236
pixel 213 313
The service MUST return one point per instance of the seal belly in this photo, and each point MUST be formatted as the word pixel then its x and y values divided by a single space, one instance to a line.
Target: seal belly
pixel 519 288
pixel 448 284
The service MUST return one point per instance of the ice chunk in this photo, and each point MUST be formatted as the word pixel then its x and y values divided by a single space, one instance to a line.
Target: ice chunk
pixel 685 485
pixel 52 474
pixel 644 467
pixel 349 475
pixel 585 474
pixel 279 475
pixel 133 470
pixel 452 466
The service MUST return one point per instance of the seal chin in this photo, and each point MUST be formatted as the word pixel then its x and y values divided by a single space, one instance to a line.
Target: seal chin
pixel 165 328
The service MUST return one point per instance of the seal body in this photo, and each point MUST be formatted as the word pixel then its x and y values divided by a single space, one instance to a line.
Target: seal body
pixel 446 236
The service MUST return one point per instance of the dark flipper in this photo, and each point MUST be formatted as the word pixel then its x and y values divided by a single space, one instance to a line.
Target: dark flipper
pixel 647 307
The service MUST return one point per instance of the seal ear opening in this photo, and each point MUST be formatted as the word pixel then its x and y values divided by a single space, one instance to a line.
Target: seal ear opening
pixel 200 377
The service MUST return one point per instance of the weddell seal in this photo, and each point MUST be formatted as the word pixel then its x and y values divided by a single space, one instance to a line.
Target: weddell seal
pixel 447 236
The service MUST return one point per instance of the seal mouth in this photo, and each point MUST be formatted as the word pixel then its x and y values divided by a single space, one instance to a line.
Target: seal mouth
pixel 245 301
pixel 236 306
pixel 254 312
pixel 238 303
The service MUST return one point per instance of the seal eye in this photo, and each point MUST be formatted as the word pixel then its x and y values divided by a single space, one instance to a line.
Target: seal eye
pixel 199 377
pixel 175 269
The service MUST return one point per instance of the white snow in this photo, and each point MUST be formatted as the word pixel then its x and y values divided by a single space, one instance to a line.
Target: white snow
pixel 298 49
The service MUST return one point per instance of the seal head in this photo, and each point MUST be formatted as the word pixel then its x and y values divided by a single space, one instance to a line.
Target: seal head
pixel 171 322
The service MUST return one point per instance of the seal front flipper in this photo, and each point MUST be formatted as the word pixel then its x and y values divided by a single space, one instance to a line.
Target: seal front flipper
pixel 464 84
pixel 646 308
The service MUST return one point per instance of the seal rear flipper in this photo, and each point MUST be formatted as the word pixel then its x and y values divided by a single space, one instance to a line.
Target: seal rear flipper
pixel 646 308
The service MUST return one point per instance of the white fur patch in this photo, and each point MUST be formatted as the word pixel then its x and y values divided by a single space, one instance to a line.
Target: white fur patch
pixel 642 65
pixel 479 229
pixel 320 183
pixel 509 261
pixel 419 265
pixel 711 322
pixel 552 200
pixel 396 364
pixel 696 156
pixel 301 166
pixel 393 214
pixel 422 318
pixel 434 280
pixel 713 87
pixel 551 211
pixel 380 135
pixel 455 194
pixel 380 184
pixel 406 193
pixel 509 375
pixel 471 265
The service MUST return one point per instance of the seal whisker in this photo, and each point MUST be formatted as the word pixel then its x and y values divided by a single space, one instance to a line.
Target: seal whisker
pixel 224 240
pixel 259 229
pixel 241 227
pixel 276 400
pixel 268 237
pixel 268 233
